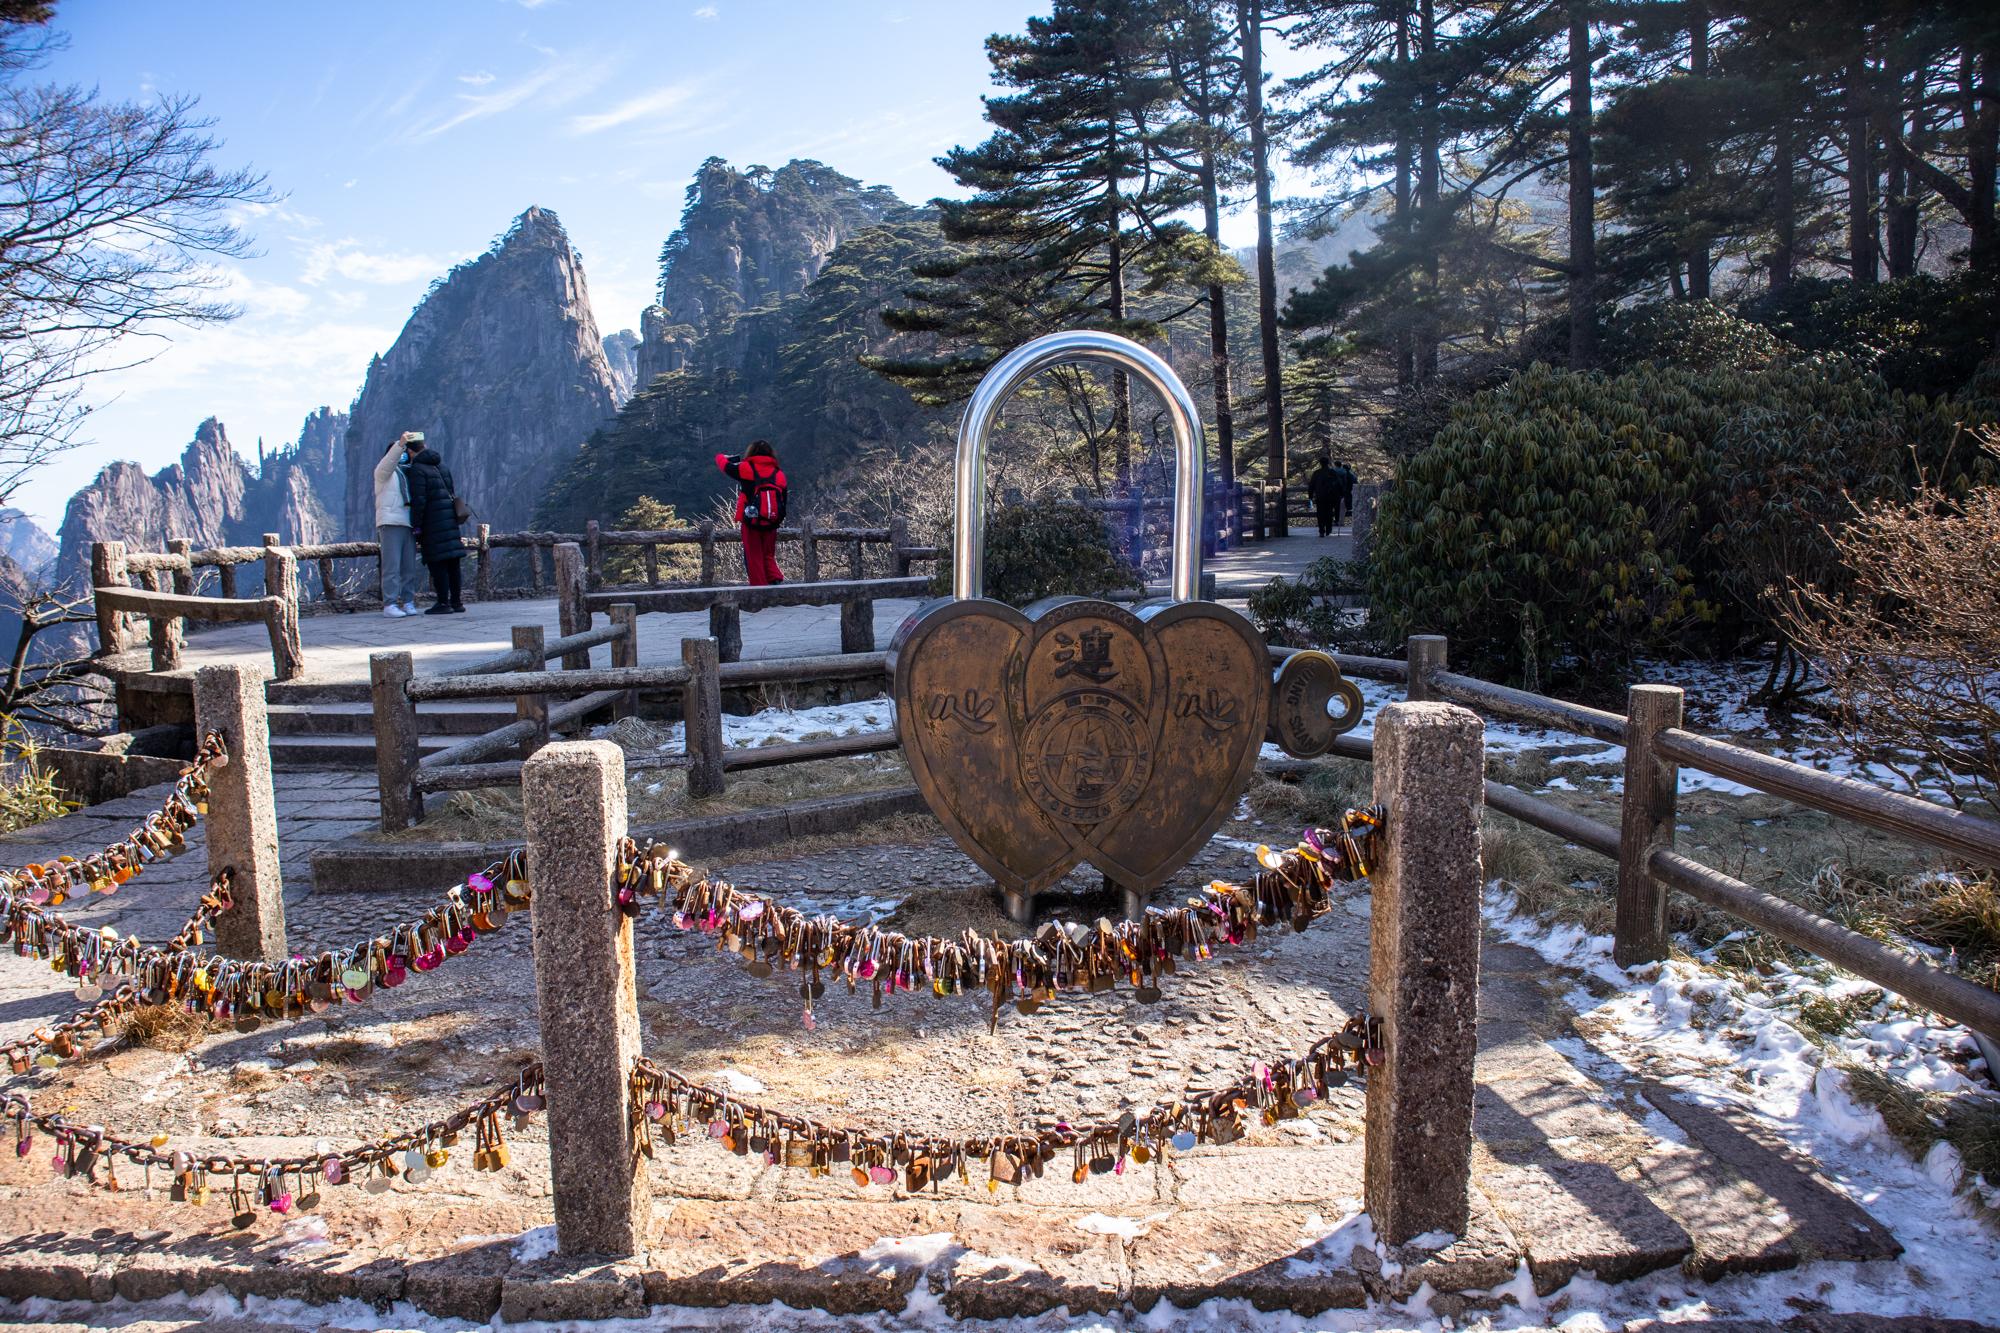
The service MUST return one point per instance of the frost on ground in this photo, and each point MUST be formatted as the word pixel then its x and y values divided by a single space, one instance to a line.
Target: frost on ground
pixel 782 726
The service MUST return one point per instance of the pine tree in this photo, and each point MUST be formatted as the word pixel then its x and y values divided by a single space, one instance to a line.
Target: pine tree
pixel 1074 198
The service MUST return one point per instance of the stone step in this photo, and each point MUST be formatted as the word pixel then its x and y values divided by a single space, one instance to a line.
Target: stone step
pixel 446 717
pixel 358 751
pixel 316 691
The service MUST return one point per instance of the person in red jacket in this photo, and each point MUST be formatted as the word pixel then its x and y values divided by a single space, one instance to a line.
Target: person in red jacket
pixel 760 508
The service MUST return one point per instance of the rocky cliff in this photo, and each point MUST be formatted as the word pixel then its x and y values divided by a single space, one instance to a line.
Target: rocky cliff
pixel 210 497
pixel 23 541
pixel 747 240
pixel 621 353
pixel 501 367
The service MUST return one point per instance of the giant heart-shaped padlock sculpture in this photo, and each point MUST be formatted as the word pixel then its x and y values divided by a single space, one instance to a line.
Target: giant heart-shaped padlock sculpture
pixel 1079 730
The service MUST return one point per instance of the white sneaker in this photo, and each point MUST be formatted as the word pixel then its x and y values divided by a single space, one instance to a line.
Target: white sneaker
pixel 394 612
pixel 410 609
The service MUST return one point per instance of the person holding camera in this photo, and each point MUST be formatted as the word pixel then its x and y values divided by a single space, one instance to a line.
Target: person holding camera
pixel 392 527
pixel 435 515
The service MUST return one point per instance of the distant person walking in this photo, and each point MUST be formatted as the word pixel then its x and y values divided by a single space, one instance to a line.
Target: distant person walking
pixel 1343 492
pixel 1322 488
pixel 760 508
pixel 392 526
pixel 435 514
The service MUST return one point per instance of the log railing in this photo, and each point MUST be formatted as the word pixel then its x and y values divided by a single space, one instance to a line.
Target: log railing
pixel 1656 749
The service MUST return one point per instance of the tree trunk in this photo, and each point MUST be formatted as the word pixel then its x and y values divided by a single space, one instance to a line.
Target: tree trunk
pixel 1406 361
pixel 1902 196
pixel 1250 22
pixel 1121 383
pixel 1699 261
pixel 1218 328
pixel 1784 206
pixel 1980 106
pixel 1860 166
pixel 1430 172
pixel 1582 197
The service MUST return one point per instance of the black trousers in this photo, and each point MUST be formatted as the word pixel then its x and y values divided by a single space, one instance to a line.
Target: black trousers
pixel 444 582
pixel 1343 506
pixel 1323 509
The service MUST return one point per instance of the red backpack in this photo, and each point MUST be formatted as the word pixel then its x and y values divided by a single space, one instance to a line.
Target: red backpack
pixel 764 503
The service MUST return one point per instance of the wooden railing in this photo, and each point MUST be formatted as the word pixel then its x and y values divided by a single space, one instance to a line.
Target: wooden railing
pixel 1656 748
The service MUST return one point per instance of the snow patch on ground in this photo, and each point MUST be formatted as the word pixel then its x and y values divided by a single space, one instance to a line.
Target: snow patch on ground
pixel 535 1243
pixel 782 726
pixel 1126 1228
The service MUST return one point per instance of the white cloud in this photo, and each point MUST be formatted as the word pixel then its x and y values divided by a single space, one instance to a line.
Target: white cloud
pixel 478 78
pixel 557 82
pixel 346 258
pixel 706 13
pixel 656 102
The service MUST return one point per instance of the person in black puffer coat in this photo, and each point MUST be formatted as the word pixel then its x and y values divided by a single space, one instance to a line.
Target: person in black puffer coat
pixel 434 524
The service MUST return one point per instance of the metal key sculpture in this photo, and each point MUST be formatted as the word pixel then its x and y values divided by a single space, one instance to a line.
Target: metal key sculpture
pixel 1079 730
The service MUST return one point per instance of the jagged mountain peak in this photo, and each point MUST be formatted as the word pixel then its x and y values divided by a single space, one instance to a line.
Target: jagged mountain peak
pixel 501 367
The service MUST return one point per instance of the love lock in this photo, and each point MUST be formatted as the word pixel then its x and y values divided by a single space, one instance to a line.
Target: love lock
pixel 1079 730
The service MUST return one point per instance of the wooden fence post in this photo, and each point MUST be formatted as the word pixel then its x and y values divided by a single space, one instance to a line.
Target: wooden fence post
pixel 107 570
pixel 572 615
pixel 1423 969
pixel 1652 794
pixel 183 578
pixel 536 581
pixel 593 540
pixel 701 717
pixel 857 626
pixel 725 626
pixel 533 706
pixel 809 552
pixel 225 578
pixel 169 637
pixel 652 558
pixel 899 546
pixel 281 587
pixel 396 749
pixel 482 577
pixel 1425 653
pixel 856 566
pixel 1257 511
pixel 625 652
pixel 707 530
pixel 587 996
pixel 242 821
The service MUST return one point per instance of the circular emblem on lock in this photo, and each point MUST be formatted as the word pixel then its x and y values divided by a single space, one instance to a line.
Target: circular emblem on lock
pixel 1087 756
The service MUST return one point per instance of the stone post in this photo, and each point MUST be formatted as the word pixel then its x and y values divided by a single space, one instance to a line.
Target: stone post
pixel 857 567
pixel 535 578
pixel 587 996
pixel 593 546
pixel 1423 969
pixel 625 652
pixel 572 615
pixel 242 822
pixel 1652 793
pixel 808 552
pixel 107 570
pixel 651 555
pixel 1425 653
pixel 701 715
pixel 1257 512
pixel 857 625
pixel 533 706
pixel 396 751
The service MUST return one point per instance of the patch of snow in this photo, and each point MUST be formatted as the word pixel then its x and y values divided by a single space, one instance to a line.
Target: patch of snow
pixel 1433 1240
pixel 535 1243
pixel 1128 1228
pixel 907 1251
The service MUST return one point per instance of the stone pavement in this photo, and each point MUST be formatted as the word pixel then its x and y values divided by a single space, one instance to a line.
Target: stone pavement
pixel 1574 1171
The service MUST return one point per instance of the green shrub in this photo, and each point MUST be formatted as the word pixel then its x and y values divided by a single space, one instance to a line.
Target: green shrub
pixel 1293 612
pixel 1691 335
pixel 1922 335
pixel 1046 548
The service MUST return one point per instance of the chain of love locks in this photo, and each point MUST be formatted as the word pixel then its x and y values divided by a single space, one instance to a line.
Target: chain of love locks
pixel 1293 887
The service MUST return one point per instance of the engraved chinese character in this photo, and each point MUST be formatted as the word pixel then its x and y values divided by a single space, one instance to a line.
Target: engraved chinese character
pixel 1088 655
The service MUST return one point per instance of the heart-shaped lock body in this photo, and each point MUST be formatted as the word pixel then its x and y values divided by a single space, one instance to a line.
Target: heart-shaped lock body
pixel 1079 730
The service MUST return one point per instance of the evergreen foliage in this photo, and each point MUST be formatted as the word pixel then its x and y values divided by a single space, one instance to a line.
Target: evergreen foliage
pixel 1046 548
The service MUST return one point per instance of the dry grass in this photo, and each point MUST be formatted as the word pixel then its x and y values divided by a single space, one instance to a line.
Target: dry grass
pixel 163 1027
pixel 1920 1120
pixel 1319 798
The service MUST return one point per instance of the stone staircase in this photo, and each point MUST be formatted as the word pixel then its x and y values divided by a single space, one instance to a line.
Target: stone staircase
pixel 332 725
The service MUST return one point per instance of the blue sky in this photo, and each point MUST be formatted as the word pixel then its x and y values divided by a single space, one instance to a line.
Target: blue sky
pixel 404 137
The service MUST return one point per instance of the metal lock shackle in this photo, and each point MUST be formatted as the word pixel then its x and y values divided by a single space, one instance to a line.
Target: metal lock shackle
pixel 968 557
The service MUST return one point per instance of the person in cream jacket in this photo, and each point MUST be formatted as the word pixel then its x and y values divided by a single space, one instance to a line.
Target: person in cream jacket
pixel 400 570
